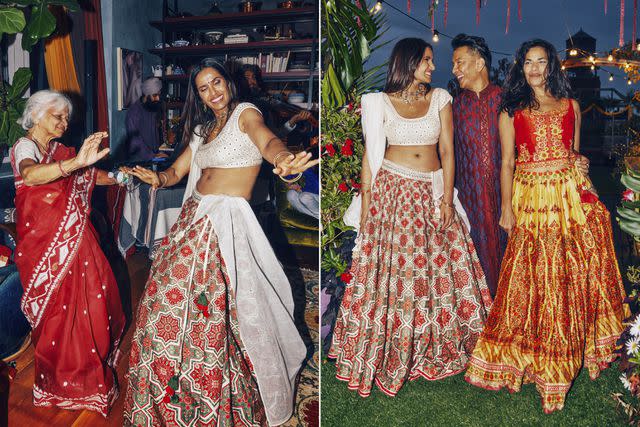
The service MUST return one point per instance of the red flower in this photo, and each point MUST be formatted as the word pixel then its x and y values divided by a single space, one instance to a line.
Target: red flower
pixel 355 184
pixel 343 187
pixel 331 151
pixel 348 142
pixel 627 195
pixel 350 107
pixel 346 277
pixel 346 150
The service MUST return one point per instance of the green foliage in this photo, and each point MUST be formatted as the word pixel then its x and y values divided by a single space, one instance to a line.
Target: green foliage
pixel 348 34
pixel 41 24
pixel 342 156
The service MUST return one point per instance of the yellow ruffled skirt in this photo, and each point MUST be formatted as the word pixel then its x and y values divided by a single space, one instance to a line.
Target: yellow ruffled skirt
pixel 559 302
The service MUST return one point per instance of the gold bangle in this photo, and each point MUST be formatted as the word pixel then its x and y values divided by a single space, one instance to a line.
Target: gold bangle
pixel 449 205
pixel 275 158
pixel 293 179
pixel 166 178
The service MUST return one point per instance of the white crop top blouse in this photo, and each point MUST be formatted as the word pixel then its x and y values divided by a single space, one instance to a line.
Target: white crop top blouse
pixel 232 148
pixel 423 130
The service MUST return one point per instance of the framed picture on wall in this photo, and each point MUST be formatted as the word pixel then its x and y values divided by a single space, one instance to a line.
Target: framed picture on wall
pixel 129 77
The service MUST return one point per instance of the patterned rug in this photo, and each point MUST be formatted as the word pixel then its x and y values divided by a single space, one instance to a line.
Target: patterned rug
pixel 306 411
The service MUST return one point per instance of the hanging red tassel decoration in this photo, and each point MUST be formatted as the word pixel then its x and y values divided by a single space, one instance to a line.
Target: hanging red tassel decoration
pixel 477 12
pixel 446 12
pixel 520 10
pixel 409 7
pixel 433 17
pixel 506 31
pixel 621 41
pixel 635 16
pixel 605 7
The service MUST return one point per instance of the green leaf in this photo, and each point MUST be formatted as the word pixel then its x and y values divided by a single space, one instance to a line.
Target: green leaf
pixel 25 2
pixel 4 123
pixel 21 80
pixel 631 205
pixel 630 227
pixel 11 20
pixel 630 182
pixel 628 214
pixel 15 132
pixel 41 25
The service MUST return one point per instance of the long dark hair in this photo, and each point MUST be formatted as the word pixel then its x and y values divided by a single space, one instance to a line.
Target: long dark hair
pixel 405 57
pixel 195 111
pixel 516 92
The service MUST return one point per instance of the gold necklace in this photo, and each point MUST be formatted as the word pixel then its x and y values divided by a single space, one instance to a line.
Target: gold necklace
pixel 217 128
pixel 409 97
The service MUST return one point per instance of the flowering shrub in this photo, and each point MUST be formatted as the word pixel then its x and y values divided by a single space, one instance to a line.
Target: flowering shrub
pixel 629 221
pixel 342 151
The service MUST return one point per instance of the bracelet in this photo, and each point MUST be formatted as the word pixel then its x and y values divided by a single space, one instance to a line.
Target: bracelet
pixel 166 178
pixel 293 179
pixel 277 156
pixel 449 205
pixel 62 171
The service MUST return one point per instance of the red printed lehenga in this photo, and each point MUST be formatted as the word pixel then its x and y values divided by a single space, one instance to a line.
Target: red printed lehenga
pixel 70 298
pixel 418 298
pixel 559 303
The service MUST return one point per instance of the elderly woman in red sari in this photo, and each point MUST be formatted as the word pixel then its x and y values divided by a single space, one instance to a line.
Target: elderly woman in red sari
pixel 70 295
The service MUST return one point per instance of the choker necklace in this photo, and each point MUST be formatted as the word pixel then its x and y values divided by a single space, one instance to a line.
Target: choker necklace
pixel 408 97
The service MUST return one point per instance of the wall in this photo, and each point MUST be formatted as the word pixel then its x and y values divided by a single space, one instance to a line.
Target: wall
pixel 126 25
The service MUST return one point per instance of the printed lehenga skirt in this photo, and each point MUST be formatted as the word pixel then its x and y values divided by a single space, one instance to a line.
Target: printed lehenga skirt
pixel 418 298
pixel 559 303
pixel 207 349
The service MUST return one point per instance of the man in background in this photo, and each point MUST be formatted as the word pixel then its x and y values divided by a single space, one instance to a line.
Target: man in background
pixel 142 123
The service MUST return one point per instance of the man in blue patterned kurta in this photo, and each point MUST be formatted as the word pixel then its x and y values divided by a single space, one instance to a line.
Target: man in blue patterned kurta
pixel 477 150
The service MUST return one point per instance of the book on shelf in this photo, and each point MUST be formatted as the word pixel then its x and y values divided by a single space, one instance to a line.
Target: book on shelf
pixel 268 63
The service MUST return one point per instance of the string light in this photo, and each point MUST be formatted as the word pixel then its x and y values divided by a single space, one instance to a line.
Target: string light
pixel 563 67
pixel 629 81
pixel 592 59
pixel 593 67
pixel 375 9
pixel 435 38
pixel 610 58
pixel 573 52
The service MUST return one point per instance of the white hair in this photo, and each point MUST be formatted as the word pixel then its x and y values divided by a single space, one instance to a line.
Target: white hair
pixel 41 102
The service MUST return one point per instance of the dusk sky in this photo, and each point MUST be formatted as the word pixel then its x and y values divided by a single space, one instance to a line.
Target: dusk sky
pixel 552 20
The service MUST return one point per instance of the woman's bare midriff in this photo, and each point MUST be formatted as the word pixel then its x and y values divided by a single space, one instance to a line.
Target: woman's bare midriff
pixel 236 182
pixel 423 158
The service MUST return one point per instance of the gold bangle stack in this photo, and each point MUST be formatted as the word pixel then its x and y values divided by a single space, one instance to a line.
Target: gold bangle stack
pixel 166 178
pixel 277 156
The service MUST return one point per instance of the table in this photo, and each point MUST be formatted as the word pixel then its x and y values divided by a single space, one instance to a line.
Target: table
pixel 148 215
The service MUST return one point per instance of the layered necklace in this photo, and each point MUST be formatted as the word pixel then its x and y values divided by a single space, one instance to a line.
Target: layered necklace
pixel 217 128
pixel 409 97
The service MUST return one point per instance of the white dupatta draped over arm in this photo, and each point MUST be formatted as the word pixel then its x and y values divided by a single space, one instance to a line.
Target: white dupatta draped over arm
pixel 375 143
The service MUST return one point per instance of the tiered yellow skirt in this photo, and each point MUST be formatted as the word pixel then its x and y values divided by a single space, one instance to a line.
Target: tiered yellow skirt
pixel 559 302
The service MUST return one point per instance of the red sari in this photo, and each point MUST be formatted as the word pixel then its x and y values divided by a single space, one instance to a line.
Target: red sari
pixel 70 298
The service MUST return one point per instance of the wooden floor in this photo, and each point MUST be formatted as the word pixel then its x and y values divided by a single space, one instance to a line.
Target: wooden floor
pixel 22 413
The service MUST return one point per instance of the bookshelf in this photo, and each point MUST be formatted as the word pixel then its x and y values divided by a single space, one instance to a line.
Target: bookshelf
pixel 287 63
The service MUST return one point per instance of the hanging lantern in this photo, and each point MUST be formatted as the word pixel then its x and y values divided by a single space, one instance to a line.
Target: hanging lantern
pixel 436 37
